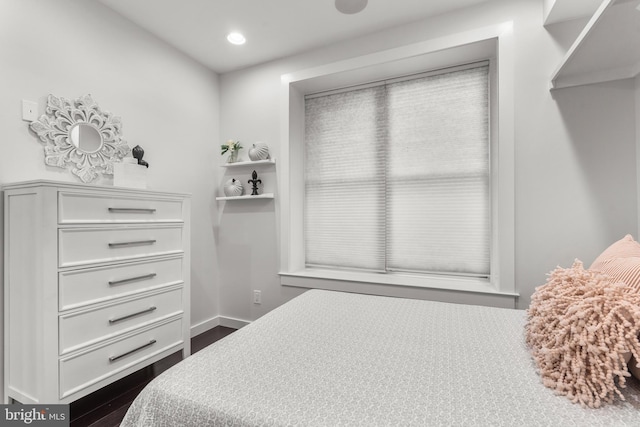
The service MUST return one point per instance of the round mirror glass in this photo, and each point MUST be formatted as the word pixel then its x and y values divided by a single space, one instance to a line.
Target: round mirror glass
pixel 86 138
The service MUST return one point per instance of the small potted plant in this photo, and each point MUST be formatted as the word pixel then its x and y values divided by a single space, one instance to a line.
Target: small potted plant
pixel 232 147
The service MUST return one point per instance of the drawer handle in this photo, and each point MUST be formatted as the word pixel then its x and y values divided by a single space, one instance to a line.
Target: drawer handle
pixel 120 356
pixel 132 279
pixel 138 242
pixel 133 210
pixel 129 316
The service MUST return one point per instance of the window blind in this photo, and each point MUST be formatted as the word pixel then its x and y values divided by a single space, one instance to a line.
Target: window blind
pixel 398 175
pixel 345 179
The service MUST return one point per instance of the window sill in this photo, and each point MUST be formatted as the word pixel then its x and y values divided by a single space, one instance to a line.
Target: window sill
pixel 314 278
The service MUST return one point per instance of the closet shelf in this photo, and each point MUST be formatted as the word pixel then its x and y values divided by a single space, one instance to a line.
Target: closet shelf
pixel 249 162
pixel 259 196
pixel 567 10
pixel 607 49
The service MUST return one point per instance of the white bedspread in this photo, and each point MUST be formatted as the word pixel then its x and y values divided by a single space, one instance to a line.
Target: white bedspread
pixel 330 358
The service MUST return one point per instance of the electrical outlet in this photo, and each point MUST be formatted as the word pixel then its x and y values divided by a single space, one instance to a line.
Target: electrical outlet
pixel 29 110
pixel 257 297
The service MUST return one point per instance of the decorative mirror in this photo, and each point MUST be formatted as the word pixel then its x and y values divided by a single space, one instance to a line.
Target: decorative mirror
pixel 79 136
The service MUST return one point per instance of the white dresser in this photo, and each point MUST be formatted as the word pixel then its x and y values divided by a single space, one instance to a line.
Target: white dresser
pixel 96 286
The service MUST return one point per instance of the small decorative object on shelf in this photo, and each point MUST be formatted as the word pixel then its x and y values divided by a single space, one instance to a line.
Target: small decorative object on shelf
pixel 138 153
pixel 233 147
pixel 233 188
pixel 259 151
pixel 254 181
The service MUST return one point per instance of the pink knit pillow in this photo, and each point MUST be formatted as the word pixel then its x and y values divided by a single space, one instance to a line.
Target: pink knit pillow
pixel 582 329
pixel 624 248
pixel 625 270
pixel 621 262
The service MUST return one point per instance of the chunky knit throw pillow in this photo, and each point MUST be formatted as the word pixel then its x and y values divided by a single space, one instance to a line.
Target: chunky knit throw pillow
pixel 581 329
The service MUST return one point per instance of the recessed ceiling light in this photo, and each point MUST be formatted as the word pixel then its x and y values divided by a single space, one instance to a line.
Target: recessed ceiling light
pixel 236 38
pixel 351 6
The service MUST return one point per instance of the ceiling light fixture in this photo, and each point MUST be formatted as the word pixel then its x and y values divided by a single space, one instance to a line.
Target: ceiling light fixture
pixel 350 7
pixel 236 38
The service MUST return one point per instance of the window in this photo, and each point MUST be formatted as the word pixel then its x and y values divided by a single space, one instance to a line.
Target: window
pixel 379 181
pixel 397 175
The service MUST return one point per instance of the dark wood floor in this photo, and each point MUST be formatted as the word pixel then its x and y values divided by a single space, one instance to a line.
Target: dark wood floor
pixel 107 406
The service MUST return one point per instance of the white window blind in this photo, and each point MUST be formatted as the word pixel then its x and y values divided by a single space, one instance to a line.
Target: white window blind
pixel 398 175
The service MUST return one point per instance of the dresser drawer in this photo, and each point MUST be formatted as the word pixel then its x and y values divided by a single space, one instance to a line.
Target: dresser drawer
pixel 82 370
pixel 98 208
pixel 90 326
pixel 88 286
pixel 81 246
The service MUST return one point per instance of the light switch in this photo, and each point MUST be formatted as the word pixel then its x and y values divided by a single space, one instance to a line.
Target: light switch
pixel 29 110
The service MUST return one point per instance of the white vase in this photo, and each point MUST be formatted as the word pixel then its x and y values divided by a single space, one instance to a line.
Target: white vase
pixel 233 188
pixel 260 151
pixel 233 156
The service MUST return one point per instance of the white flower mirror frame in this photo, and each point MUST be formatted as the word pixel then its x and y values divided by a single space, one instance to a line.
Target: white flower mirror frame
pixel 79 136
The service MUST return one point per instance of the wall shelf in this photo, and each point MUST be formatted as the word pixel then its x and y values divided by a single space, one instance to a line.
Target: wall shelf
pixel 249 163
pixel 259 196
pixel 252 164
pixel 607 49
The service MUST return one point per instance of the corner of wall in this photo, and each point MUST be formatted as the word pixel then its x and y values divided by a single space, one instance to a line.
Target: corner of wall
pixel 547 5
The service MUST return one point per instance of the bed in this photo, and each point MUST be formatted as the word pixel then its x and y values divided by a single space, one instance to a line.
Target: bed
pixel 331 358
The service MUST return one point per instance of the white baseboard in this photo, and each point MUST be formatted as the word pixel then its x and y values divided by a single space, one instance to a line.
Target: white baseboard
pixel 228 322
pixel 204 326
pixel 231 322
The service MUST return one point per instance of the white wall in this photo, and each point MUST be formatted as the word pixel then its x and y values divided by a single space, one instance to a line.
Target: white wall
pixel 169 104
pixel 638 143
pixel 575 154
